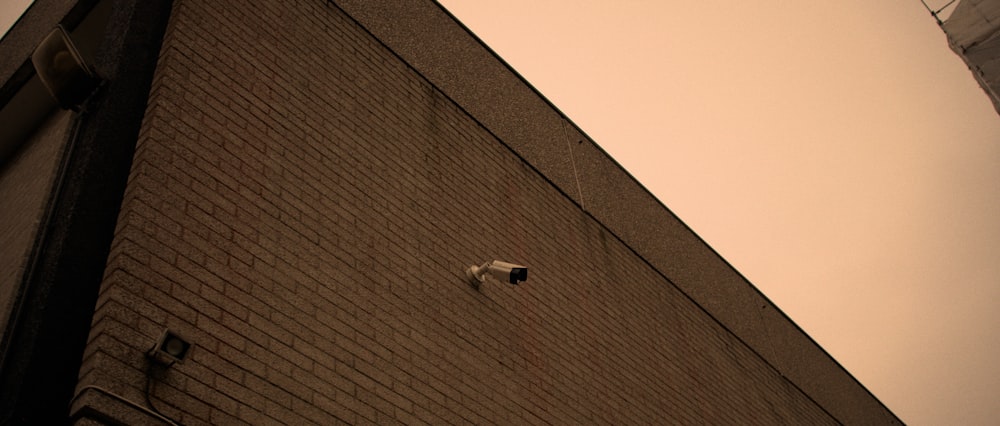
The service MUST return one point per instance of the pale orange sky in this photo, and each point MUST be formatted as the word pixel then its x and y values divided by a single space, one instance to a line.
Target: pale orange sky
pixel 10 10
pixel 836 153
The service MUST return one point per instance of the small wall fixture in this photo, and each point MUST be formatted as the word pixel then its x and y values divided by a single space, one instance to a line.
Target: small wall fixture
pixel 169 349
pixel 502 271
pixel 62 70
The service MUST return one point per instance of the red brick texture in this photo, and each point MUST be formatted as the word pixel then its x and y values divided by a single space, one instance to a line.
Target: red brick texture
pixel 302 207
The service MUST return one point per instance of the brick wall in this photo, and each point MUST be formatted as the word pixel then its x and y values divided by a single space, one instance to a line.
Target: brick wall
pixel 302 206
pixel 26 181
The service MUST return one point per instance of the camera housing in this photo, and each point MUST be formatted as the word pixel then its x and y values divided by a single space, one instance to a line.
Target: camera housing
pixel 502 271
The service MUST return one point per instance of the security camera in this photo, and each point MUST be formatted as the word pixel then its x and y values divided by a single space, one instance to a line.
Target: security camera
pixel 502 271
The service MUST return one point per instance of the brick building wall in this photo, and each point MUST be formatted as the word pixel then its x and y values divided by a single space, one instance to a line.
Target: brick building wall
pixel 25 184
pixel 306 183
pixel 302 205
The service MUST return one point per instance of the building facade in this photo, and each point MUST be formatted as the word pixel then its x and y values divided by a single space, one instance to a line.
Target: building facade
pixel 296 189
pixel 973 31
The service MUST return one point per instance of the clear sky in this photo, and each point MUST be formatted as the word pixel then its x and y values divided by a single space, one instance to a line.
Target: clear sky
pixel 836 153
pixel 10 10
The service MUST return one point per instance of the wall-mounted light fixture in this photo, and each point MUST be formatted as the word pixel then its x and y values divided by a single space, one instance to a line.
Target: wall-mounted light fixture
pixel 502 271
pixel 62 70
pixel 169 349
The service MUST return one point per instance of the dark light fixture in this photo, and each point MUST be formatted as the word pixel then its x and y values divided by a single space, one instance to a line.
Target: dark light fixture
pixel 170 349
pixel 62 70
